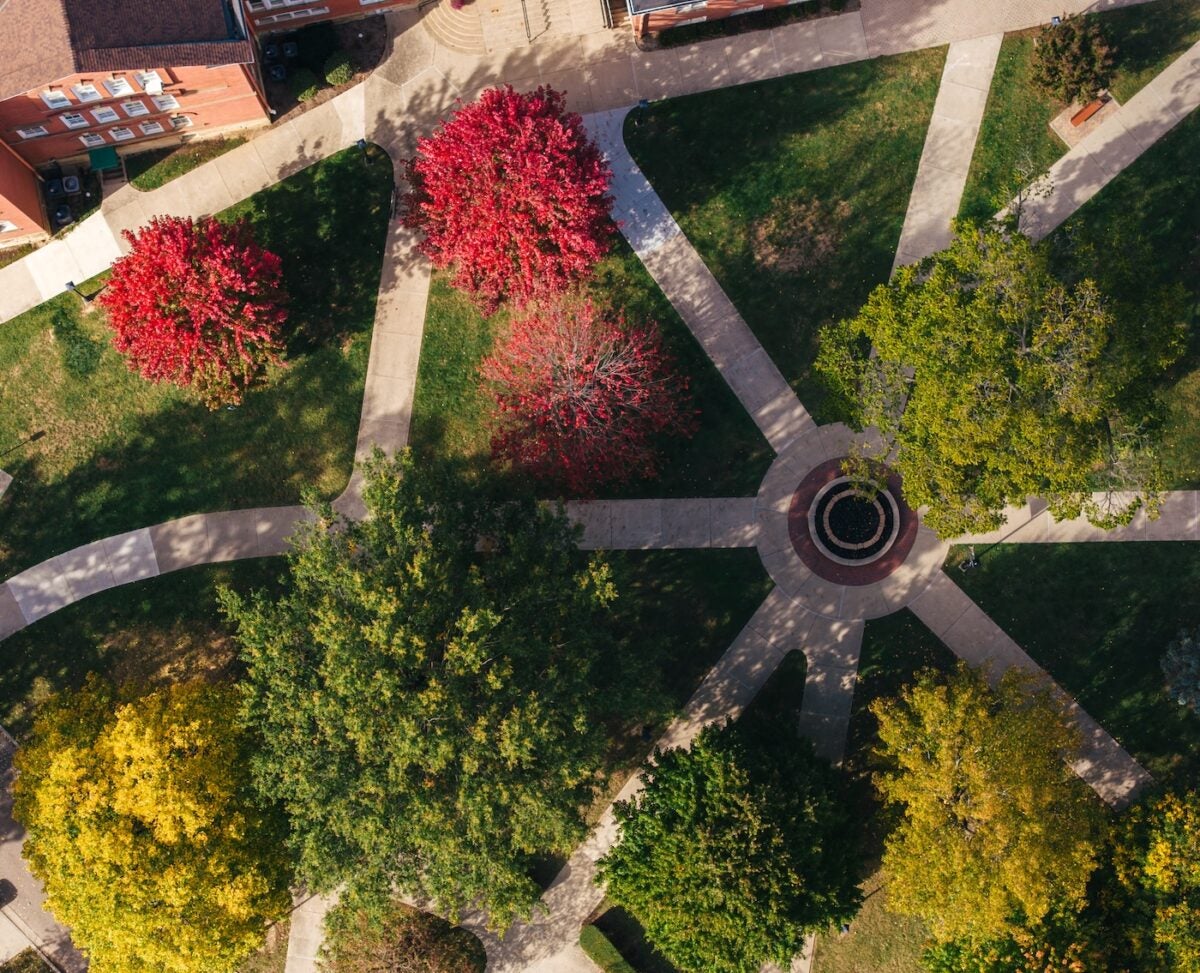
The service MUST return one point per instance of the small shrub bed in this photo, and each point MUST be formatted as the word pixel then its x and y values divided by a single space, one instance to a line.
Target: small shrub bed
pixel 338 69
pixel 304 85
pixel 601 952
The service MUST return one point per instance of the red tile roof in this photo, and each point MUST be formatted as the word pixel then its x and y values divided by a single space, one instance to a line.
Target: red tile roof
pixel 42 41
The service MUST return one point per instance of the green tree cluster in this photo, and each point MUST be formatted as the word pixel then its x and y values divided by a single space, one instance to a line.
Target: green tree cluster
pixel 433 687
pixel 998 382
pixel 1073 60
pixel 734 852
pixel 144 827
pixel 401 939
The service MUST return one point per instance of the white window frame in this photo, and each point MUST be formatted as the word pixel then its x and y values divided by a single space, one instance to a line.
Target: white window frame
pixel 291 15
pixel 121 134
pixel 75 119
pixel 258 6
pixel 181 121
pixel 56 98
pixel 92 140
pixel 7 226
pixel 165 102
pixel 86 92
pixel 146 79
pixel 135 108
pixel 367 3
pixel 105 114
pixel 151 128
pixel 118 86
pixel 33 131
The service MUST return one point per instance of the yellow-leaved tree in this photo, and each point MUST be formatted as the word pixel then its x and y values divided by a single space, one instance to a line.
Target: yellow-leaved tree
pixel 144 828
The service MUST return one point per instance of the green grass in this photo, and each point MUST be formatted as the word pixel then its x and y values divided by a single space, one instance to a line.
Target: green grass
pixel 1098 617
pixel 26 961
pixel 1014 137
pixel 727 456
pixel 1015 142
pixel 158 631
pixel 1139 236
pixel 153 169
pixel 120 453
pixel 723 160
pixel 12 254
pixel 602 952
pixel 879 941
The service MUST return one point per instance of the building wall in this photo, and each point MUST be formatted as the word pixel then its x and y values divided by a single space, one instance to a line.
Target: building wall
pixel 21 214
pixel 268 16
pixel 700 11
pixel 194 100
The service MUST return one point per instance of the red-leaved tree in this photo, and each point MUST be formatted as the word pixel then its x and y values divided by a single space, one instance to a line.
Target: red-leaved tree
pixel 197 304
pixel 512 194
pixel 581 397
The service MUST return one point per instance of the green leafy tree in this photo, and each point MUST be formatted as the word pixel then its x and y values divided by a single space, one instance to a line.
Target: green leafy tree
pixel 995 830
pixel 1073 60
pixel 997 382
pixel 143 824
pixel 733 853
pixel 432 690
pixel 1157 863
pixel 1061 943
pixel 400 940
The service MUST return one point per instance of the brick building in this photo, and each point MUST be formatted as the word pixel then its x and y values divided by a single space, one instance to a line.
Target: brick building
pixel 81 75
pixel 267 16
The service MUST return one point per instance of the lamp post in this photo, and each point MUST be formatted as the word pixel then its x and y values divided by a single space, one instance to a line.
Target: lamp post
pixel 33 438
pixel 77 292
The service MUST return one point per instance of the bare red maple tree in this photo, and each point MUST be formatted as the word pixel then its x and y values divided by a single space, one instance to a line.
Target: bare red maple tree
pixel 512 194
pixel 197 304
pixel 582 397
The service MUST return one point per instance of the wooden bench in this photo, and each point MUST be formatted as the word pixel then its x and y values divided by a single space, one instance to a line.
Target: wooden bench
pixel 1087 111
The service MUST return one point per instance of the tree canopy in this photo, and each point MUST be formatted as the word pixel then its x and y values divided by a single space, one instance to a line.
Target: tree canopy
pixel 199 305
pixel 995 830
pixel 582 397
pixel 512 194
pixel 734 852
pixel 144 827
pixel 431 690
pixel 998 382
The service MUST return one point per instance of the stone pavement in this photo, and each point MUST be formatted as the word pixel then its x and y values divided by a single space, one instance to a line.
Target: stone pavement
pixel 702 522
pixel 307 932
pixel 1105 153
pixel 695 293
pixel 953 617
pixel 949 145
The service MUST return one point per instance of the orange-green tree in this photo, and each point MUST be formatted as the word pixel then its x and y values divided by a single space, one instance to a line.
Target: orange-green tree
pixel 142 825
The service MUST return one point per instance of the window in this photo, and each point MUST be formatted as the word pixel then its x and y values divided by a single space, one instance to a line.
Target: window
pixel 105 114
pixel 181 121
pixel 56 99
pixel 86 91
pixel 165 102
pixel 135 107
pixel 7 227
pixel 257 6
pixel 92 140
pixel 367 3
pixel 148 80
pixel 74 119
pixel 33 132
pixel 151 128
pixel 118 86
pixel 291 15
pixel 121 134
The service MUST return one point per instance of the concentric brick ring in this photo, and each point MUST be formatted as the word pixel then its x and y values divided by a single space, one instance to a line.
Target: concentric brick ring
pixel 814 525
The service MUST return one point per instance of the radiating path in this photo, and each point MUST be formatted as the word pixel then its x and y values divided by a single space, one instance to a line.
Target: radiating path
pixel 949 145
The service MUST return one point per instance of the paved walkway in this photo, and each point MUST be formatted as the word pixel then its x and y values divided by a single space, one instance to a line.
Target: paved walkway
pixel 949 145
pixel 968 631
pixel 1111 148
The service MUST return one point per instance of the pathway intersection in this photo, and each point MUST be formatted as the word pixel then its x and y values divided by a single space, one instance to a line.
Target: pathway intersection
pixel 806 610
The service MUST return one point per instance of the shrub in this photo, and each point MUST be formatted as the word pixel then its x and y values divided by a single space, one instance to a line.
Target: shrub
pixel 400 940
pixel 26 961
pixel 1181 666
pixel 304 84
pixel 1072 59
pixel 198 305
pixel 338 69
pixel 513 194
pixel 581 398
pixel 601 952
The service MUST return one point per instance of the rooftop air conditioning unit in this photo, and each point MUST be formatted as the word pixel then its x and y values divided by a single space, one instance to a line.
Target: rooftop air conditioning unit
pixel 154 87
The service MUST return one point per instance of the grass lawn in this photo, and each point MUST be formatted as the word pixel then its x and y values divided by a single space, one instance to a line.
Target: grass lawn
pixel 1015 138
pixel 723 161
pixel 878 941
pixel 1098 618
pixel 728 456
pixel 150 170
pixel 1139 235
pixel 120 453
